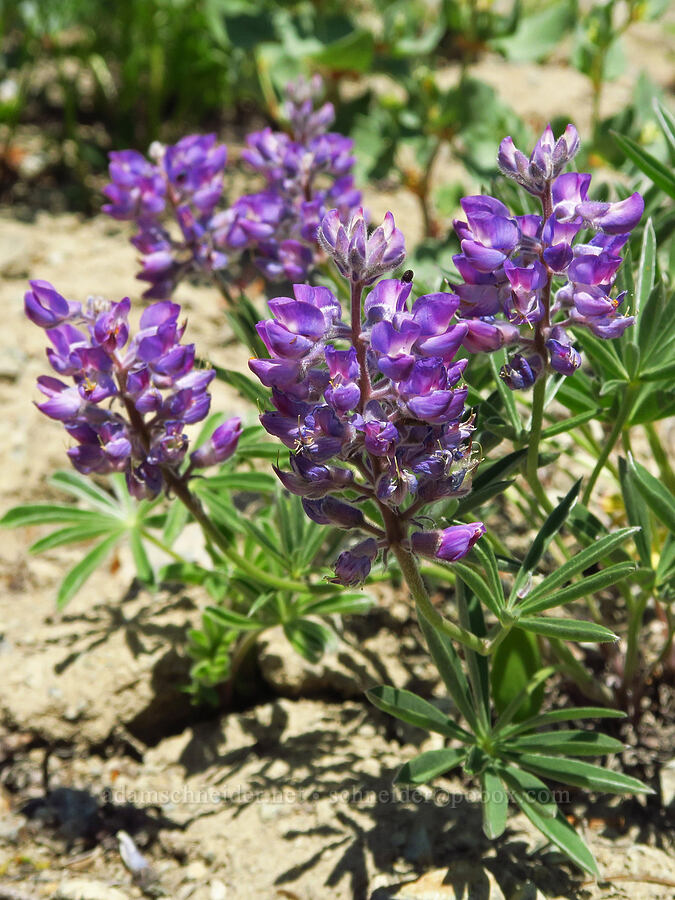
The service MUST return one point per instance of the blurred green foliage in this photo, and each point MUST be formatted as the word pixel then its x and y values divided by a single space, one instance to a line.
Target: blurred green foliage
pixel 95 77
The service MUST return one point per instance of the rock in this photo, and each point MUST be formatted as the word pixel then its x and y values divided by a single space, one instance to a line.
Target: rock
pixel 125 679
pixel 463 880
pixel 196 871
pixel 667 779
pixel 85 889
pixel 218 890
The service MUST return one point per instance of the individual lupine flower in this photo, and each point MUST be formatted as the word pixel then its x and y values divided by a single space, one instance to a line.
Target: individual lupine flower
pixel 132 397
pixel 352 567
pixel 448 544
pixel 373 409
pixel 46 307
pixel 534 271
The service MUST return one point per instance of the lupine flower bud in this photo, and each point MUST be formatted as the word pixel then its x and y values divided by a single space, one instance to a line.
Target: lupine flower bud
pixel 449 544
pixel 219 447
pixel 45 307
pixel 546 162
pixel 352 567
pixel 331 511
pixel 358 257
pixel 564 358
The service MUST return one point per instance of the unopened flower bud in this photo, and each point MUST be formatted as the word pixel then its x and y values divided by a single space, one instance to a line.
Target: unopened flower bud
pixel 352 567
pixel 448 544
pixel 220 446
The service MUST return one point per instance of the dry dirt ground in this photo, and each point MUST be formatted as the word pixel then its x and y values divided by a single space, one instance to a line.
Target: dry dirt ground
pixel 290 798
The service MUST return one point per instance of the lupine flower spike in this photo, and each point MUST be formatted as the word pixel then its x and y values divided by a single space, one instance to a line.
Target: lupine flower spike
pixel 371 407
pixel 131 398
pixel 527 279
pixel 173 197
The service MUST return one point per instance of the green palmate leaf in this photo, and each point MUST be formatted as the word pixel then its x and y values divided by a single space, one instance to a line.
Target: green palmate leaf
pixel 562 715
pixel 310 639
pixel 653 168
pixel 500 469
pixel 478 585
pixel 86 567
pixel 84 489
pixel 547 532
pixel 450 669
pixel 637 512
pixel 429 765
pixel 568 424
pixel 144 569
pixel 74 534
pixel 582 774
pixel 560 833
pixel 655 327
pixel 526 785
pixel 46 514
pixel 230 619
pixel 591 584
pixel 414 710
pixel 478 497
pixel 495 804
pixel 253 482
pixel 655 494
pixel 249 389
pixel 488 561
pixel 604 357
pixel 344 604
pixel 581 561
pixel 518 688
pixel 569 743
pixel 176 520
pixel 568 629
pixel 667 123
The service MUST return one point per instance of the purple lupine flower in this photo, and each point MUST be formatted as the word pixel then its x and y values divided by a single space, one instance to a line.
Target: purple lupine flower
pixel 132 397
pixel 370 409
pixel 448 544
pixel 533 271
pixel 175 199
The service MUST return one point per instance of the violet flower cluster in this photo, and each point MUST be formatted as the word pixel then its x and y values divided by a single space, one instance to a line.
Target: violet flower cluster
pixel 371 408
pixel 173 197
pixel 131 398
pixel 527 279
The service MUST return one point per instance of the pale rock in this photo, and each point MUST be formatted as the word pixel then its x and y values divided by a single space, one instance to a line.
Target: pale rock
pixel 86 889
pixel 463 880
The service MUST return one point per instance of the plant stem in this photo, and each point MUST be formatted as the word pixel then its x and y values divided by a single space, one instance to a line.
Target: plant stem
pixel 533 445
pixel 621 417
pixel 425 608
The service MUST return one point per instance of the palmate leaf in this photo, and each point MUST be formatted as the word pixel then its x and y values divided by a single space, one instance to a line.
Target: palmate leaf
pixel 525 784
pixel 228 618
pixel 46 514
pixel 86 567
pixel 450 669
pixel 83 488
pixel 637 513
pixel 572 714
pixel 429 765
pixel 567 742
pixel 495 804
pixel 75 534
pixel 560 833
pixel 476 583
pixel 568 629
pixel 600 549
pixel 652 167
pixel 655 494
pixel 342 604
pixel 547 532
pixel 582 774
pixel 590 585
pixel 310 639
pixel 240 482
pixel 414 710
pixel 512 695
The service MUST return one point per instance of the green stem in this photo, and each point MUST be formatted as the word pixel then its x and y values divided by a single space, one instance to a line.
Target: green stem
pixel 425 608
pixel 621 417
pixel 536 428
pixel 162 546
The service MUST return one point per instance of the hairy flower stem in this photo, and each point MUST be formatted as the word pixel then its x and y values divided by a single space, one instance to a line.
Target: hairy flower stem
pixel 425 608
pixel 621 417
pixel 533 446
pixel 358 343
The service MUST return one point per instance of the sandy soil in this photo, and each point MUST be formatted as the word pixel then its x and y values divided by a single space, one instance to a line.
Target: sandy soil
pixel 96 737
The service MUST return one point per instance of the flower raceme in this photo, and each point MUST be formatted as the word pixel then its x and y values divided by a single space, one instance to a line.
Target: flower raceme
pixel 371 408
pixel 305 172
pixel 526 279
pixel 131 397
